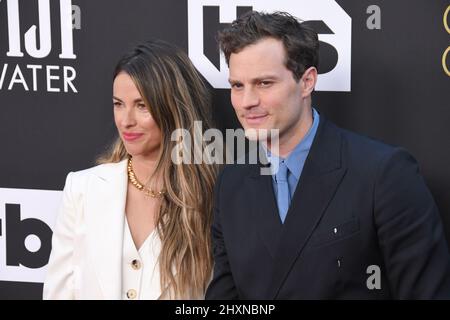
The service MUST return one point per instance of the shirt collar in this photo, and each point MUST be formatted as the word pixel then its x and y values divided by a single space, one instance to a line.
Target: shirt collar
pixel 297 157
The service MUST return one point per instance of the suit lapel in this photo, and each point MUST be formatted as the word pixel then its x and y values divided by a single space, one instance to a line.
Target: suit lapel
pixel 264 209
pixel 321 176
pixel 105 212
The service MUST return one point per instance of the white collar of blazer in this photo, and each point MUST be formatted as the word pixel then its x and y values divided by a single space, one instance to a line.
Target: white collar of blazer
pixel 105 208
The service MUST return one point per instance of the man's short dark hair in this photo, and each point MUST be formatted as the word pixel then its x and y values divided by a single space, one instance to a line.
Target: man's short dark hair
pixel 300 42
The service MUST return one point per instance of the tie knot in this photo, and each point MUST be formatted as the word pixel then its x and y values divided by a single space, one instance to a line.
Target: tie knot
pixel 281 175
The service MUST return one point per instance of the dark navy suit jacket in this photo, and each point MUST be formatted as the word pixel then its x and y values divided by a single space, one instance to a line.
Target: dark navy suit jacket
pixel 359 203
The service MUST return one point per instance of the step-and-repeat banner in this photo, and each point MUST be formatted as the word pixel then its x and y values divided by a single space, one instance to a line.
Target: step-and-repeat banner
pixel 384 72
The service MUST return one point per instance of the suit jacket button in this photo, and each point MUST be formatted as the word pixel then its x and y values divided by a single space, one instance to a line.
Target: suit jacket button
pixel 136 264
pixel 131 294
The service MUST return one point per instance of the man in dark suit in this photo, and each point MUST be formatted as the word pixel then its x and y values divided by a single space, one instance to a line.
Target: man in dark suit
pixel 343 217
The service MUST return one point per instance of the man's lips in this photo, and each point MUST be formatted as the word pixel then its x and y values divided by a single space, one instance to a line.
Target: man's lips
pixel 255 118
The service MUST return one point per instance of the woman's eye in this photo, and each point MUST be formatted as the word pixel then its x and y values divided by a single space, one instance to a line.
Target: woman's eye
pixel 142 107
pixel 117 104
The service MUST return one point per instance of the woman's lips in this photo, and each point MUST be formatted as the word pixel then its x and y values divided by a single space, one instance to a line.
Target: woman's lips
pixel 131 136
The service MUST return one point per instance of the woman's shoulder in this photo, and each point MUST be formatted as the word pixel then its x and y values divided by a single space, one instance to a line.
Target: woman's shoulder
pixel 92 181
pixel 102 171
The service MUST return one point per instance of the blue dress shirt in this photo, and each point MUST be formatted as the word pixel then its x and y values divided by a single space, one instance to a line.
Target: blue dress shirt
pixel 296 159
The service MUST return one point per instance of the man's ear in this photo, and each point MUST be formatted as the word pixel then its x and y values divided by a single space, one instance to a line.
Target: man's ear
pixel 308 81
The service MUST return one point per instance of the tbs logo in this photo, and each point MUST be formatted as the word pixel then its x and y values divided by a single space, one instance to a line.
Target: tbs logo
pixel 26 219
pixel 326 17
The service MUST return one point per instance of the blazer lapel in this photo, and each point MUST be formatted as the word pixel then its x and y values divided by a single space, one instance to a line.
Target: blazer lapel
pixel 105 212
pixel 264 209
pixel 321 176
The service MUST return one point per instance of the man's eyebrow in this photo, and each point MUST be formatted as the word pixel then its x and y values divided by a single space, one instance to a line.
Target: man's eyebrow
pixel 255 80
pixel 265 77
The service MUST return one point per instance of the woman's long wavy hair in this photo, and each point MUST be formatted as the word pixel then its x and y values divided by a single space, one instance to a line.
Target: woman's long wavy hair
pixel 176 97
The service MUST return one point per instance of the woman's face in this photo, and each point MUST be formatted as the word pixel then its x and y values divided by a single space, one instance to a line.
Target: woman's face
pixel 137 128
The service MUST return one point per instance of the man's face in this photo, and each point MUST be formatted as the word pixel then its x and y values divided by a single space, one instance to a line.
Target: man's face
pixel 264 92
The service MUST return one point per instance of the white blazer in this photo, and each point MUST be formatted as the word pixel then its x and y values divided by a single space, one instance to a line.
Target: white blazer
pixel 86 257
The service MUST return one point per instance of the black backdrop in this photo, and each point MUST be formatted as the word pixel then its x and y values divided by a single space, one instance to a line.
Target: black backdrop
pixel 399 93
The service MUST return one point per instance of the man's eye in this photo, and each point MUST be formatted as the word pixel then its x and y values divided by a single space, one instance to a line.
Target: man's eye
pixel 265 83
pixel 236 85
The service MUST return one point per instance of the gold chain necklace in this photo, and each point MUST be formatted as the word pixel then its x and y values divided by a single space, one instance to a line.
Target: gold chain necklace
pixel 135 182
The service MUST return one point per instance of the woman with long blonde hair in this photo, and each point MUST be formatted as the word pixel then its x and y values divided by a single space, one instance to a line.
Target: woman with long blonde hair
pixel 137 226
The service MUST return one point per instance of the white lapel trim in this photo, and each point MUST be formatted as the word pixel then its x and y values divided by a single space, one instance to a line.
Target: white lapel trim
pixel 105 213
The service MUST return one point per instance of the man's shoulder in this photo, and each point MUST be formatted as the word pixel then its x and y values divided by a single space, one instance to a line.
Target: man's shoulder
pixel 363 146
pixel 367 155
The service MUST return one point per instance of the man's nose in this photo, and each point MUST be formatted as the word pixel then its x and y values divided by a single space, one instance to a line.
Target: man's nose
pixel 250 98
